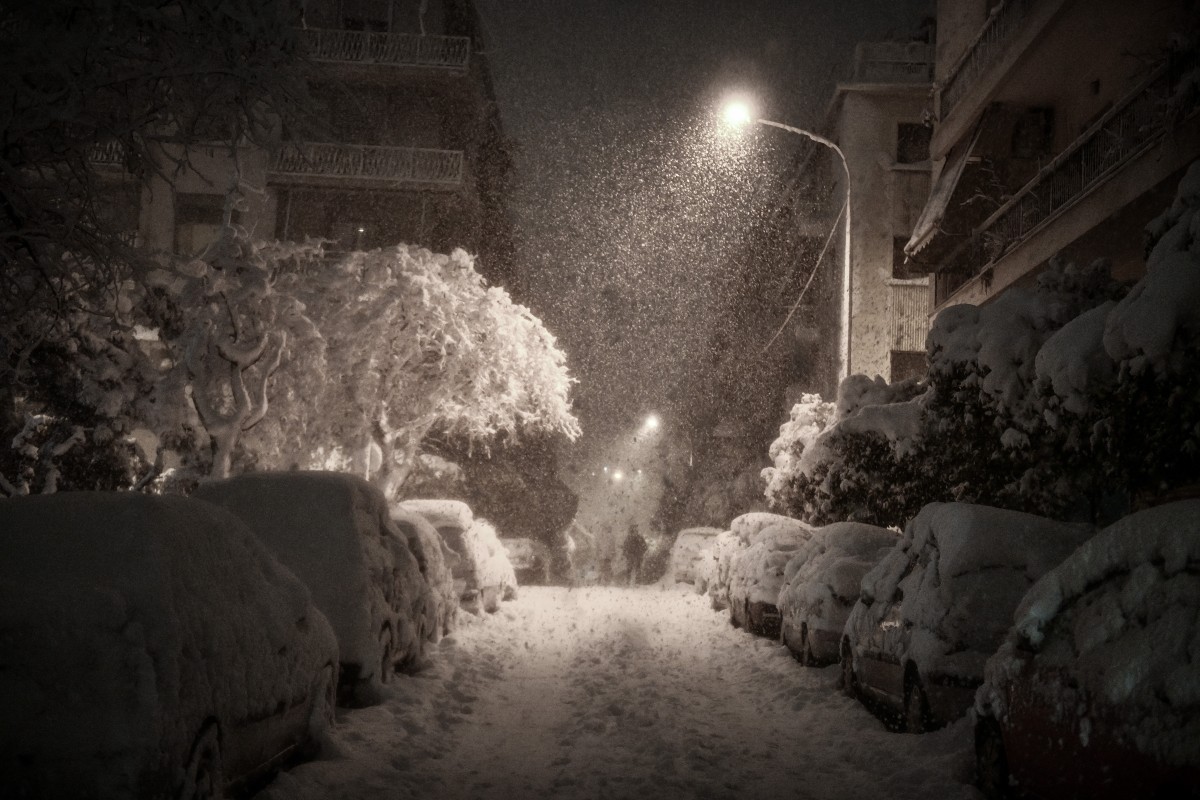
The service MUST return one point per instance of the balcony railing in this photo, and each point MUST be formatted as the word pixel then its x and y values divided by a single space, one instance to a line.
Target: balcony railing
pixel 369 163
pixel 991 42
pixel 107 154
pixel 893 62
pixel 392 49
pixel 1129 129
pixel 908 306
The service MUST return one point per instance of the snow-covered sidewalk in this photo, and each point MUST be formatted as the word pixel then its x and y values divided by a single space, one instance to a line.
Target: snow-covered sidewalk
pixel 622 693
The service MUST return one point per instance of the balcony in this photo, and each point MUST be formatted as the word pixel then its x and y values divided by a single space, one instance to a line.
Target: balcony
pixel 365 48
pixel 366 166
pixel 893 62
pixel 1131 128
pixel 993 40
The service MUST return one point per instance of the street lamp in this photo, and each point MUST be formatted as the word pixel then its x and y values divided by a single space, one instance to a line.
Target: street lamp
pixel 651 422
pixel 738 114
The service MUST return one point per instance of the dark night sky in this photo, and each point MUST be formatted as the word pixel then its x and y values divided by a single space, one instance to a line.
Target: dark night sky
pixel 629 197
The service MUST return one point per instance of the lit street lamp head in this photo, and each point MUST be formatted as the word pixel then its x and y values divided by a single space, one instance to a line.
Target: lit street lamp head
pixel 737 113
pixel 651 422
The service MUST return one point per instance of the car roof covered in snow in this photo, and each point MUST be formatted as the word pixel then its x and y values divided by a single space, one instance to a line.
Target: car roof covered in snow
pixel 442 512
pixel 748 527
pixel 962 569
pixel 330 528
pixel 1128 600
pixel 830 565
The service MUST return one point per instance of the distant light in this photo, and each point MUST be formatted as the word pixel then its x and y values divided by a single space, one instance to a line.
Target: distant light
pixel 737 114
pixel 618 475
pixel 651 422
pixel 639 472
pixel 606 469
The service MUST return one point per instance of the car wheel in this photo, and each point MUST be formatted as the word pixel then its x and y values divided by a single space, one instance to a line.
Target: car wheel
pixel 387 654
pixel 991 761
pixel 733 617
pixel 204 777
pixel 916 707
pixel 849 679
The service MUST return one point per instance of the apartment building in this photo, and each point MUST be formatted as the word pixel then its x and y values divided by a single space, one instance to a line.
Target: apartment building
pixel 1060 127
pixel 408 145
pixel 877 120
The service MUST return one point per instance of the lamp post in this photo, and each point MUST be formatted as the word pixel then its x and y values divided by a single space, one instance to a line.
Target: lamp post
pixel 738 114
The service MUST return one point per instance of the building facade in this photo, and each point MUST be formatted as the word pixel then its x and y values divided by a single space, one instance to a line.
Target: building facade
pixel 1061 127
pixel 877 119
pixel 406 145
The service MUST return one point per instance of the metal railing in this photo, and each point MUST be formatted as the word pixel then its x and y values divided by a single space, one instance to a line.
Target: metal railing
pixel 991 42
pixel 1130 128
pixel 109 154
pixel 909 307
pixel 394 49
pixel 893 62
pixel 370 163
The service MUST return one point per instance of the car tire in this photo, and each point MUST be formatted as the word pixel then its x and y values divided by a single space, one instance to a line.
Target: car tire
pixel 991 760
pixel 324 706
pixel 204 777
pixel 849 679
pixel 916 707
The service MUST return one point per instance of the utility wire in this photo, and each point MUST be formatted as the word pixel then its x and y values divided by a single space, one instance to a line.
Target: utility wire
pixel 812 275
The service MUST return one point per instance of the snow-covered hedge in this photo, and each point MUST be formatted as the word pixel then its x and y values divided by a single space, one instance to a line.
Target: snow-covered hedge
pixel 1068 400
pixel 127 624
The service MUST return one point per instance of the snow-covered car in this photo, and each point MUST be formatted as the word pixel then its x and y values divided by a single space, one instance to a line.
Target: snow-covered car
pixel 715 568
pixel 821 586
pixel 436 560
pixel 497 578
pixel 938 605
pixel 1094 691
pixel 334 531
pixel 530 560
pixel 691 548
pixel 483 575
pixel 151 647
pixel 756 573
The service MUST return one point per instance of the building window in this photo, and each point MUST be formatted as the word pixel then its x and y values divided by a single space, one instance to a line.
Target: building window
pixel 912 143
pixel 198 219
pixel 907 365
pixel 900 269
pixel 1033 133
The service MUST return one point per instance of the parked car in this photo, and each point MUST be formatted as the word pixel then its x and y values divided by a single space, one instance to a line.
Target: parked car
pixel 727 549
pixel 757 572
pixel 932 611
pixel 821 586
pixel 1094 691
pixel 497 578
pixel 716 568
pixel 530 560
pixel 437 561
pixel 688 553
pixel 151 647
pixel 483 575
pixel 334 531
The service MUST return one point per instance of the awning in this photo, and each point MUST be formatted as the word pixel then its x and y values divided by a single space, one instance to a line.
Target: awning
pixel 947 172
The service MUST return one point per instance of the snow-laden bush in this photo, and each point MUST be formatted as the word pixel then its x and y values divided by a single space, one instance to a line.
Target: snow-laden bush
pixel 1065 400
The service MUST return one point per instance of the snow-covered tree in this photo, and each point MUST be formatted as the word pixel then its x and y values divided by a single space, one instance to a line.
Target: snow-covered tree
pixel 417 341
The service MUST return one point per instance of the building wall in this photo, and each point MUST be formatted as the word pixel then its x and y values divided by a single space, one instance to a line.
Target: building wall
pixel 885 200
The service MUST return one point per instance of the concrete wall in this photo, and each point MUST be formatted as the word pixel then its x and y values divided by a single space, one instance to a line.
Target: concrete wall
pixel 885 201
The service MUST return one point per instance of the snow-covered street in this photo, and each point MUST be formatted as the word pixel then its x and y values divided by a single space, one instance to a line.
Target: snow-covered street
pixel 622 693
